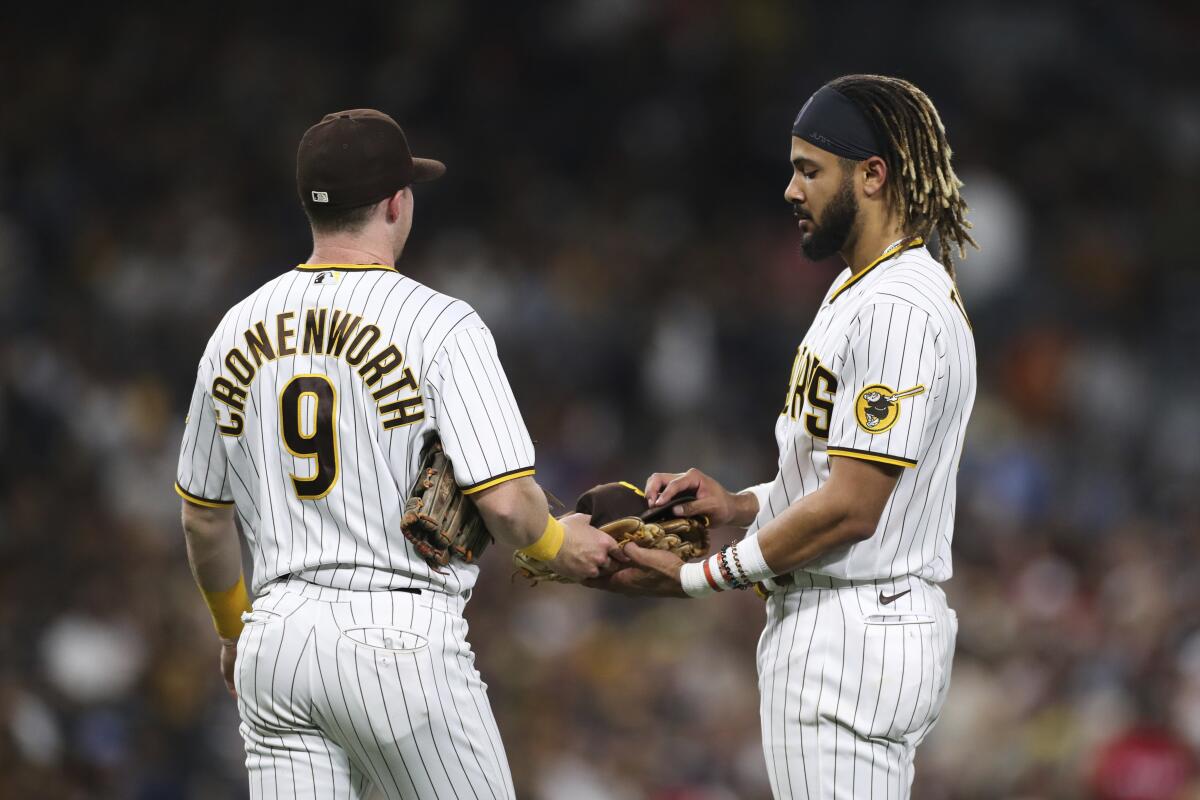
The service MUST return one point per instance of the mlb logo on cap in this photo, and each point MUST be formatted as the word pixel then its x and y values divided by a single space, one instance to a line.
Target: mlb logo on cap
pixel 359 157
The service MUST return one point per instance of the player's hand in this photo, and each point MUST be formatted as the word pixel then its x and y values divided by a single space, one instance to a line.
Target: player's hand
pixel 653 573
pixel 586 552
pixel 721 506
pixel 228 659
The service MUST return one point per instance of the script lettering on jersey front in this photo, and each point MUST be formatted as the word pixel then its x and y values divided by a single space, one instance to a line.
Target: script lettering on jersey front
pixel 332 333
pixel 812 384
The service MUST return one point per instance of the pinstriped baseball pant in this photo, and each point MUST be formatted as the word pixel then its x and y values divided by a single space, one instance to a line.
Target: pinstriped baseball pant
pixel 850 686
pixel 341 690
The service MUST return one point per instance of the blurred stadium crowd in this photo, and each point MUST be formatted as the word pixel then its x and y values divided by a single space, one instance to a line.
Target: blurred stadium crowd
pixel 614 209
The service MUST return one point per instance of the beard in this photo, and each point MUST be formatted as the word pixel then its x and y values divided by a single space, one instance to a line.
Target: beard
pixel 830 235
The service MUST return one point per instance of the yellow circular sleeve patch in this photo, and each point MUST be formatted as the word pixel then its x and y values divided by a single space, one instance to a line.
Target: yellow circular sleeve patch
pixel 874 408
pixel 877 407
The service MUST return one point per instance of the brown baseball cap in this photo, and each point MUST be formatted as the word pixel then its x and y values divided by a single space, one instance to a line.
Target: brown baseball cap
pixel 612 501
pixel 353 158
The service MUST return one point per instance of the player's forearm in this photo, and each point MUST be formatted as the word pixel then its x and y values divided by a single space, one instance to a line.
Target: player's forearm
pixel 215 557
pixel 515 512
pixel 845 510
pixel 809 529
pixel 212 547
pixel 814 525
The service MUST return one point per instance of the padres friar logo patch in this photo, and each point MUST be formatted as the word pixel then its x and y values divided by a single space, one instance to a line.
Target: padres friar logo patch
pixel 877 407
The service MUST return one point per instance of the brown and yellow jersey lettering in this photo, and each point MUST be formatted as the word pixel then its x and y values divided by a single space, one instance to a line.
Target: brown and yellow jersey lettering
pixel 335 335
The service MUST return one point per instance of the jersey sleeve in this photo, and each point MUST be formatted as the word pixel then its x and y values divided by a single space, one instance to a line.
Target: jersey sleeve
pixel 202 475
pixel 887 382
pixel 476 414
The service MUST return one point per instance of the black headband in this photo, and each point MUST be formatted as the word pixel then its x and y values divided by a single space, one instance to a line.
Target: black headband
pixel 832 122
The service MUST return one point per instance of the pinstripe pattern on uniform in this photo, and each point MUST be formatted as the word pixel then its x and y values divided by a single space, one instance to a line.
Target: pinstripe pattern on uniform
pixel 896 363
pixel 380 690
pixel 899 327
pixel 325 714
pixel 849 684
pixel 348 538
pixel 476 401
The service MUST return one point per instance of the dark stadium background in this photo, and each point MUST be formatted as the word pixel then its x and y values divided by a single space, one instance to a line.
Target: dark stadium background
pixel 613 207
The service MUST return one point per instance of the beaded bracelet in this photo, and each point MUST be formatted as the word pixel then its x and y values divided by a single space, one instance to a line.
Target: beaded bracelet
pixel 737 562
pixel 716 573
pixel 723 566
pixel 727 571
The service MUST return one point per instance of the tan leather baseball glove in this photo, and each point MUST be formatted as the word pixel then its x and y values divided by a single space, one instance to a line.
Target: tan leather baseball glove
pixel 439 520
pixel 621 511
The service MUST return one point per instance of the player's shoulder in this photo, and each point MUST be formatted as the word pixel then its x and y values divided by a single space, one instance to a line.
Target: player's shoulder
pixel 916 280
pixel 241 311
pixel 439 319
pixel 436 310
pixel 237 316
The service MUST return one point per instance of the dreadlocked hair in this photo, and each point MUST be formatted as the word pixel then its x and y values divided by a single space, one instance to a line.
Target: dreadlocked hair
pixel 926 193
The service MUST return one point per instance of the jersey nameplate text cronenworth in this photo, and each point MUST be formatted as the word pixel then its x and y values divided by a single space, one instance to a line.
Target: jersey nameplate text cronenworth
pixel 319 331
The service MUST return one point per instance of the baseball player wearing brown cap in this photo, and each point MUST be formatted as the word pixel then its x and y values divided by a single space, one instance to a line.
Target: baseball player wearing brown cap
pixel 314 400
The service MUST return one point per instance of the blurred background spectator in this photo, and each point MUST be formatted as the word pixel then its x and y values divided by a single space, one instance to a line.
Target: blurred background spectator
pixel 614 209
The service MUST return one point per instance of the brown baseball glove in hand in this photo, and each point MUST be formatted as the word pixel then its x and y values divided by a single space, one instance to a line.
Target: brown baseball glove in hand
pixel 438 519
pixel 621 511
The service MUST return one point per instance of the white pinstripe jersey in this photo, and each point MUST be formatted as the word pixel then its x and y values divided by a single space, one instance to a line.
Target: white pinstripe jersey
pixel 886 373
pixel 312 403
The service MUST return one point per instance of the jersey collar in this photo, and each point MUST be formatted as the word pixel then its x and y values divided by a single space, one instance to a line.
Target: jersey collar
pixel 344 267
pixel 894 249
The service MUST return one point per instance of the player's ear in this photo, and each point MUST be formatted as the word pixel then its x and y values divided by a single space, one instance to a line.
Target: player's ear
pixel 875 174
pixel 397 204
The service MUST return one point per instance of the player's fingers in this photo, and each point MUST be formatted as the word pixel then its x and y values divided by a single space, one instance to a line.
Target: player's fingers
pixel 688 480
pixel 617 553
pixel 587 570
pixel 595 562
pixel 711 506
pixel 228 662
pixel 636 554
pixel 655 484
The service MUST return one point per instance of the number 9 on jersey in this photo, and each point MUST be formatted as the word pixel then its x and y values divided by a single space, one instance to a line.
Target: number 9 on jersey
pixel 315 441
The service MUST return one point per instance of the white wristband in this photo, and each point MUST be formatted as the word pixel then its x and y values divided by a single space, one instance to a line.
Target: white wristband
pixel 691 577
pixel 753 566
pixel 745 564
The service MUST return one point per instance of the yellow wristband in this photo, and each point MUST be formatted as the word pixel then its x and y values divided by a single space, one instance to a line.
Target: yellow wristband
pixel 227 607
pixel 547 547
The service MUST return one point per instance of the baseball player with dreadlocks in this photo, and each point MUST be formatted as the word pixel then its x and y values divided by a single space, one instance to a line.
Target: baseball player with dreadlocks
pixel 852 537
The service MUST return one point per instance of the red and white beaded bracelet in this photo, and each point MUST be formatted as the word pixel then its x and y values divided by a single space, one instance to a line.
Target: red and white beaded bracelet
pixel 735 567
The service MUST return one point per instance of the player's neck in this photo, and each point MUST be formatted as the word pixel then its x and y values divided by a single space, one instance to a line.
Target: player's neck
pixel 874 238
pixel 334 250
